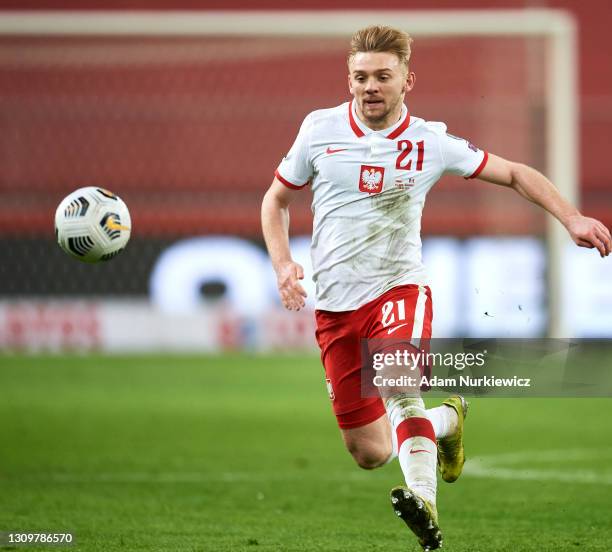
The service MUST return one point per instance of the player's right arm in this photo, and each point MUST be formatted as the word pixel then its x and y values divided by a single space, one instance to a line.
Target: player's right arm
pixel 293 174
pixel 275 226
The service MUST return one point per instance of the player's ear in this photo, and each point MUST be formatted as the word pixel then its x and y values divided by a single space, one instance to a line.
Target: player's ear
pixel 410 80
pixel 350 84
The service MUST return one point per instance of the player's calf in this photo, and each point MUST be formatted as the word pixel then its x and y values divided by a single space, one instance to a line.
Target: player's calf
pixel 416 443
pixel 370 458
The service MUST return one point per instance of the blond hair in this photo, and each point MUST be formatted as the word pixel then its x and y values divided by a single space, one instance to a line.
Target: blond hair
pixel 380 38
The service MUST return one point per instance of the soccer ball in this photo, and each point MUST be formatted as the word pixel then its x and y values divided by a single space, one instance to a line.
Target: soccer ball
pixel 92 224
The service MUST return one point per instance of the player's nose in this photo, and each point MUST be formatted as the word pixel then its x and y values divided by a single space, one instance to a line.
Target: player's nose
pixel 371 86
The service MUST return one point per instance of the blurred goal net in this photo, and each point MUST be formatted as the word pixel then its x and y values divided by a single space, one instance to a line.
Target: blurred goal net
pixel 186 115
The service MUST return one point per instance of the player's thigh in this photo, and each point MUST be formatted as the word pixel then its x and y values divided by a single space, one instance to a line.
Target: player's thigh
pixel 371 445
pixel 339 336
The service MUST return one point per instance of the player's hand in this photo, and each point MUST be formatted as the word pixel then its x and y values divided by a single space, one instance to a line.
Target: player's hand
pixel 291 291
pixel 589 232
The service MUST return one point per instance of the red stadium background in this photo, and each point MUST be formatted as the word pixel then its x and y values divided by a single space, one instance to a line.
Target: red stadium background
pixel 166 137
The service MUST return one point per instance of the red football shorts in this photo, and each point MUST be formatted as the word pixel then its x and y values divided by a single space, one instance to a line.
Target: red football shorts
pixel 405 312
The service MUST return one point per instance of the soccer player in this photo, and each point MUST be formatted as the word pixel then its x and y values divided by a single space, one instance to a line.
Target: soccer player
pixel 370 164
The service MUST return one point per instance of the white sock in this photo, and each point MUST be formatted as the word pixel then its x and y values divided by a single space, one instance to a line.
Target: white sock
pixel 417 444
pixel 444 420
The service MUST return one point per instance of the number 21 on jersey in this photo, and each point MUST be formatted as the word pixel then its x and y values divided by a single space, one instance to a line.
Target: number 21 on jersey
pixel 405 147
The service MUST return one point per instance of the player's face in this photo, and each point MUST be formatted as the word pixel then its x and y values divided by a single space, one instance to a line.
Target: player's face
pixel 379 81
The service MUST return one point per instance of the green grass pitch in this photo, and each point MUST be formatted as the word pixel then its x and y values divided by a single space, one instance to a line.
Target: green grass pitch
pixel 242 453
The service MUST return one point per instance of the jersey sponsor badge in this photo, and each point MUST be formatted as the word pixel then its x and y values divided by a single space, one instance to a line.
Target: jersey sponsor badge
pixel 469 144
pixel 371 179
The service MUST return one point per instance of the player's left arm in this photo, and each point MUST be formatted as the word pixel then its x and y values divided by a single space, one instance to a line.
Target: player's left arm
pixel 534 186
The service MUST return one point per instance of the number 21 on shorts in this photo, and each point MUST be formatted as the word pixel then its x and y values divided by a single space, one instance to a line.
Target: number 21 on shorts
pixel 393 311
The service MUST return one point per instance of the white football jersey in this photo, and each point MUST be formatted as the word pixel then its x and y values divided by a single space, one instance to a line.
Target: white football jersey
pixel 369 190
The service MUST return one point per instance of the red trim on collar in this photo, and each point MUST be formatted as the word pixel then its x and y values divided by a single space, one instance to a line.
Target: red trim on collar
pixel 354 125
pixel 398 131
pixel 394 134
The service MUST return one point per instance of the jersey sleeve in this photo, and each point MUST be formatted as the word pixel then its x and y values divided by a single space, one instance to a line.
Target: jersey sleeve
pixel 295 170
pixel 460 156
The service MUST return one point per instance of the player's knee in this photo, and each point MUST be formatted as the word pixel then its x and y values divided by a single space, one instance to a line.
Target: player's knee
pixel 369 457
